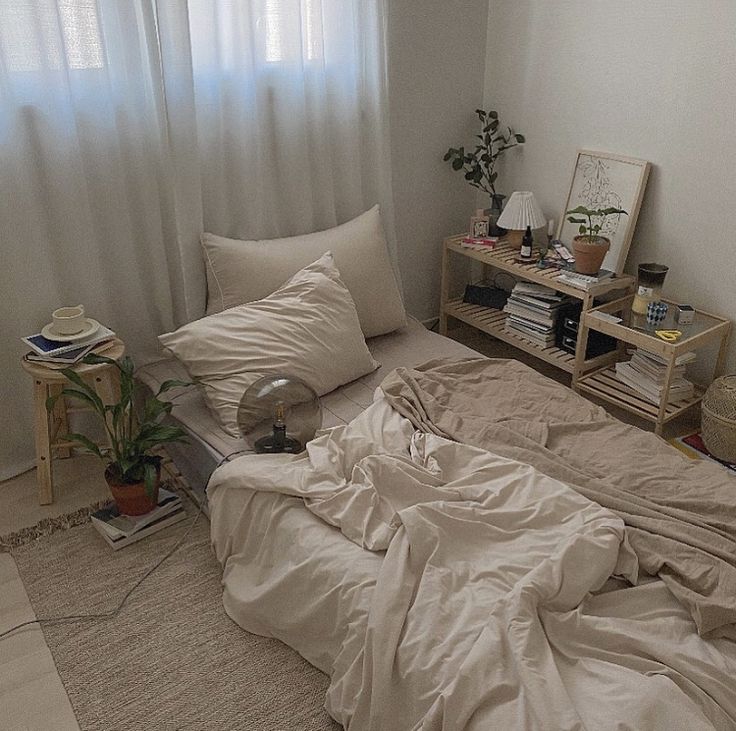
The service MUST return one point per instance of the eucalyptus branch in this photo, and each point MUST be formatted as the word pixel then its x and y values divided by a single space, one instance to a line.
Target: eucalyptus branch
pixel 479 165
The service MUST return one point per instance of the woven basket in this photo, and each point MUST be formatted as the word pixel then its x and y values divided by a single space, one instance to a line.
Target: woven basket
pixel 719 418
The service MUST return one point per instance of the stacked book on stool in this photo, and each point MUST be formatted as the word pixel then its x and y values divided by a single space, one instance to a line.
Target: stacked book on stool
pixel 645 374
pixel 532 311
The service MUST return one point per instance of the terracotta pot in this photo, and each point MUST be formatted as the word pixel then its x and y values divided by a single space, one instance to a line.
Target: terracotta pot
pixel 589 256
pixel 132 499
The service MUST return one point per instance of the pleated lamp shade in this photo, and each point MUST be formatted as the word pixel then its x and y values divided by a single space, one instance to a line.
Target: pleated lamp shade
pixel 522 210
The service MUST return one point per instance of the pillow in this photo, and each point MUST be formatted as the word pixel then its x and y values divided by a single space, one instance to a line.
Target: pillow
pixel 307 328
pixel 244 271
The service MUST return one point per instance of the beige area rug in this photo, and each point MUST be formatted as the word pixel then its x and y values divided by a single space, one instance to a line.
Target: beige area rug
pixel 172 659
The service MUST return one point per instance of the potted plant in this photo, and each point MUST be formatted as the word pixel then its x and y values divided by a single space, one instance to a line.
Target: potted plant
pixel 589 248
pixel 479 165
pixel 133 472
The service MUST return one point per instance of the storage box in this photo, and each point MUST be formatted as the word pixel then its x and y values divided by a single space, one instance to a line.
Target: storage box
pixel 685 314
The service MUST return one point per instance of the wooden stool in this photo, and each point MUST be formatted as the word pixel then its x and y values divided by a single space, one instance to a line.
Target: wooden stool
pixel 49 382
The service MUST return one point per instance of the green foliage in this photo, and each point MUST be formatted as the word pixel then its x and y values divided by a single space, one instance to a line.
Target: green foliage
pixel 131 437
pixel 587 227
pixel 478 165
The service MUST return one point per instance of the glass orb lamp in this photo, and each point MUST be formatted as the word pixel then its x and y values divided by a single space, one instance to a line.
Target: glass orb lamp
pixel 279 413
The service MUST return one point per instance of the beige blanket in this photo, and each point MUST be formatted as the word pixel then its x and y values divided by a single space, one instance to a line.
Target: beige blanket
pixel 680 514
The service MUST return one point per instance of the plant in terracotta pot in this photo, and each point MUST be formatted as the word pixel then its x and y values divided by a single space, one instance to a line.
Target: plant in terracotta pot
pixel 132 471
pixel 589 247
pixel 479 165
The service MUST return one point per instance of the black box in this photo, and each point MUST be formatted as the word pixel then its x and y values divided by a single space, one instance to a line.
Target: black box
pixel 568 323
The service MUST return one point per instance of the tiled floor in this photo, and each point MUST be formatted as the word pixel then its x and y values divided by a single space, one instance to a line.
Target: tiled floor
pixel 32 697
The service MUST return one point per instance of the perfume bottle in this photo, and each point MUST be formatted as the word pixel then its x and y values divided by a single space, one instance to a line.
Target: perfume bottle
pixel 526 244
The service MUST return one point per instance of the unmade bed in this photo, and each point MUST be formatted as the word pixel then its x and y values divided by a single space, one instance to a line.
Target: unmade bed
pixel 446 556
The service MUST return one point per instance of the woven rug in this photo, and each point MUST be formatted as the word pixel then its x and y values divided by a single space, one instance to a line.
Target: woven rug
pixel 171 659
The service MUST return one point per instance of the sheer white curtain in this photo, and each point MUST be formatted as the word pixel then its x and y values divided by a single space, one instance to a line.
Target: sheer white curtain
pixel 128 127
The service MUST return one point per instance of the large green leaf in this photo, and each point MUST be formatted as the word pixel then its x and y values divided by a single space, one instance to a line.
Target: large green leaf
pixel 85 443
pixel 78 381
pixel 149 477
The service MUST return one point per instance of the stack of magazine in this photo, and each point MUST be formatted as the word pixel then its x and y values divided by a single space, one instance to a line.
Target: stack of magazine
pixel 645 374
pixel 122 530
pixel 61 353
pixel 532 312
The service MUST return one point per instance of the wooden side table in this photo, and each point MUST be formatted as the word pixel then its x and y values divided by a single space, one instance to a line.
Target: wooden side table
pixel 47 426
pixel 633 330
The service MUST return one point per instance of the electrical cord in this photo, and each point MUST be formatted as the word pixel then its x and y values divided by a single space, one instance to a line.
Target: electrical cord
pixel 116 610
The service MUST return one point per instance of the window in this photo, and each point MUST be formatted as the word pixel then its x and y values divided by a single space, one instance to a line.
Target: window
pixel 50 34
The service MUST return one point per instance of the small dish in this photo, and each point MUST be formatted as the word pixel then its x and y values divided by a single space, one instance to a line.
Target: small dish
pixel 90 327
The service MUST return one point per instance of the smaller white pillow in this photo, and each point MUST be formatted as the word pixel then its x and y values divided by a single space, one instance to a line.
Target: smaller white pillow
pixel 307 328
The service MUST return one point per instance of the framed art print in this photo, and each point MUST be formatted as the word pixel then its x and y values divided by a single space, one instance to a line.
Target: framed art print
pixel 603 180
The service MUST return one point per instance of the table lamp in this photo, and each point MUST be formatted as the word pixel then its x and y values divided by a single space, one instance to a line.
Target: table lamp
pixel 522 212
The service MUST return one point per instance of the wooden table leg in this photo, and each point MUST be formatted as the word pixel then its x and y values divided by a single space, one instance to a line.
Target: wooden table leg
pixel 44 466
pixel 60 425
pixel 444 289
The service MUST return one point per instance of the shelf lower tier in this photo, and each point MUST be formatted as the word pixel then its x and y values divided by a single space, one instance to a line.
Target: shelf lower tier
pixel 491 321
pixel 605 385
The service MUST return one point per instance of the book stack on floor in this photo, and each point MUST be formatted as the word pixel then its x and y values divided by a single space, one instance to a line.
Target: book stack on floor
pixel 122 530
pixel 62 353
pixel 645 374
pixel 532 312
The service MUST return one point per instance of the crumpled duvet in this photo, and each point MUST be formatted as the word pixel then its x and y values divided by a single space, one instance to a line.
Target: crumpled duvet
pixel 482 615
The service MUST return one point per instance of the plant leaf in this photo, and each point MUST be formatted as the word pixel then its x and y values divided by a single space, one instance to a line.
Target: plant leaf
pixel 149 477
pixel 85 443
pixel 520 139
pixel 457 164
pixel 78 381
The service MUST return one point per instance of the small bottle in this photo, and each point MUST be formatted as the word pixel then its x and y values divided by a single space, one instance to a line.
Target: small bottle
pixel 526 244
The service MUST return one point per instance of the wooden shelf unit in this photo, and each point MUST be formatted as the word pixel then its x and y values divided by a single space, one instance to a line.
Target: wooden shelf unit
pixel 603 383
pixel 492 321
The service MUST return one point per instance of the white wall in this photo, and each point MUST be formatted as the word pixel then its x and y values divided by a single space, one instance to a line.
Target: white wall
pixel 654 80
pixel 436 62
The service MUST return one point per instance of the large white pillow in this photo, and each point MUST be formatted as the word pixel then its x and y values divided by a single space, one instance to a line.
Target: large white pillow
pixel 307 328
pixel 244 271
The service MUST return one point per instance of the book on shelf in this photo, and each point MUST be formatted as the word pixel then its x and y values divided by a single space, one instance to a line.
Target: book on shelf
pixel 119 530
pixel 653 389
pixel 584 281
pixel 538 291
pixel 536 336
pixel 49 349
pixel 479 243
pixel 543 318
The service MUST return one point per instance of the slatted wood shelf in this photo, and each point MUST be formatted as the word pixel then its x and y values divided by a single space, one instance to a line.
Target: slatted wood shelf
pixel 504 257
pixel 604 384
pixel 492 321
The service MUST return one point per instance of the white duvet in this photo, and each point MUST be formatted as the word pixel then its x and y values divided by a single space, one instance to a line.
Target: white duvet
pixel 480 613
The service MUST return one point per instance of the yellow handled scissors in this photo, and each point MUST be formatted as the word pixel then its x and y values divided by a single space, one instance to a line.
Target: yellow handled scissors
pixel 669 335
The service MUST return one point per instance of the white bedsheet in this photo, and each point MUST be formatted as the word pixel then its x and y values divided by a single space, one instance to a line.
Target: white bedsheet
pixel 479 613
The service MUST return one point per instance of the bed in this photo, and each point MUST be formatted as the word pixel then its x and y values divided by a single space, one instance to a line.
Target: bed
pixel 618 652
pixel 467 544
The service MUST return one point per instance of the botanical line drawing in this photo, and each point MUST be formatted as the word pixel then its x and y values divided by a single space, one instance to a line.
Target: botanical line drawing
pixel 597 191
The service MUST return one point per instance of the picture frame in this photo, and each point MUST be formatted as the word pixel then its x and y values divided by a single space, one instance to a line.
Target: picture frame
pixel 480 226
pixel 602 180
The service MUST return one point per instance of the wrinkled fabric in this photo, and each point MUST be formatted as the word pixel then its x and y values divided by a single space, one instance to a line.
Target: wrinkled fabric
pixel 680 514
pixel 481 613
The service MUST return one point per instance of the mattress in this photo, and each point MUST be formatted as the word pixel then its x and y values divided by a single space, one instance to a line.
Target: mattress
pixel 209 444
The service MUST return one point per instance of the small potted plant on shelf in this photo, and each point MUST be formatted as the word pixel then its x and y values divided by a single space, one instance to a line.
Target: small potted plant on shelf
pixel 589 247
pixel 479 165
pixel 133 471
